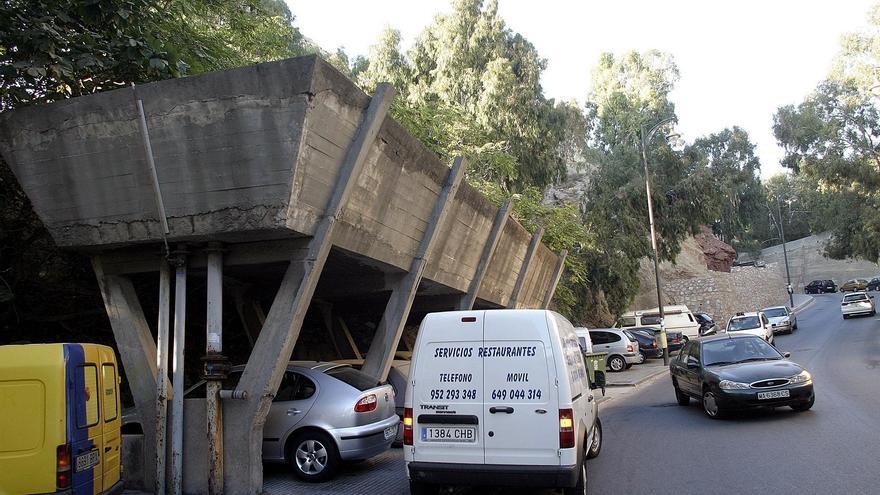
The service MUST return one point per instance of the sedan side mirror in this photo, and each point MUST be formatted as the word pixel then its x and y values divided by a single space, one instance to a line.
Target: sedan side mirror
pixel 786 355
pixel 692 362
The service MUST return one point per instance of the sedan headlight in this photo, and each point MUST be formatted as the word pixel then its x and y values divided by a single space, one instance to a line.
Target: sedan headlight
pixel 731 385
pixel 802 377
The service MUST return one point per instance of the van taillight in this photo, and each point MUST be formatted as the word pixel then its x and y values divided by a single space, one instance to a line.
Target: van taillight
pixel 566 429
pixel 407 426
pixel 366 404
pixel 62 466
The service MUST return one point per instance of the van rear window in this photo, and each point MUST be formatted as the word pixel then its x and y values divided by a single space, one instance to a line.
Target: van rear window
pixel 353 377
pixel 87 404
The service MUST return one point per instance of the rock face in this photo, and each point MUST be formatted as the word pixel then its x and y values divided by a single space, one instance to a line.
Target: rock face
pixel 719 256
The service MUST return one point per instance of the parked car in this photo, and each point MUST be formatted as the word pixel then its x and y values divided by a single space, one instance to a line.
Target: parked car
pixel 678 319
pixel 675 340
pixel 754 323
pixel 322 414
pixel 820 287
pixel 707 324
pixel 857 303
pixel 397 376
pixel 854 285
pixel 731 371
pixel 781 319
pixel 499 397
pixel 622 352
pixel 647 342
pixel 874 284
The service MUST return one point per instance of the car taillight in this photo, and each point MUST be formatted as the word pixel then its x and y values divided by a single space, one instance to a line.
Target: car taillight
pixel 62 466
pixel 407 426
pixel 566 429
pixel 629 347
pixel 654 344
pixel 366 404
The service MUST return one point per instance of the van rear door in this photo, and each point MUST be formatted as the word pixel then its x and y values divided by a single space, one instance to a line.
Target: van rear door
pixel 86 428
pixel 521 406
pixel 112 450
pixel 447 379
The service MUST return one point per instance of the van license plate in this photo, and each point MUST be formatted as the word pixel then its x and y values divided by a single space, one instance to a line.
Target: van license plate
pixel 776 394
pixel 87 460
pixel 461 434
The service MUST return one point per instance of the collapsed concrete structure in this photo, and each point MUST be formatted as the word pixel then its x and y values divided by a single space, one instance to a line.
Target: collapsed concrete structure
pixel 286 166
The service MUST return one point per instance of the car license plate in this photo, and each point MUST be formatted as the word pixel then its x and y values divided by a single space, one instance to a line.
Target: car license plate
pixel 776 394
pixel 390 432
pixel 87 460
pixel 460 434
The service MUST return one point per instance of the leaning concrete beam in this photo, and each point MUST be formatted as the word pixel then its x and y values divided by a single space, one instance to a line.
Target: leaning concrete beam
pixel 554 281
pixel 467 300
pixel 137 349
pixel 524 270
pixel 385 341
pixel 268 360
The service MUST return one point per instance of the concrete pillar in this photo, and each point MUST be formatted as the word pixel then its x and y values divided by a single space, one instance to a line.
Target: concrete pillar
pixel 524 269
pixel 137 350
pixel 388 333
pixel 177 372
pixel 467 300
pixel 215 369
pixel 272 350
pixel 554 280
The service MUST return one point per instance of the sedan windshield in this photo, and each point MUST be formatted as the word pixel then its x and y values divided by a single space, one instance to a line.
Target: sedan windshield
pixel 744 323
pixel 774 312
pixel 738 350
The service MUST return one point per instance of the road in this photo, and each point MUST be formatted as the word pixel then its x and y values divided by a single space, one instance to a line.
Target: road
pixel 652 445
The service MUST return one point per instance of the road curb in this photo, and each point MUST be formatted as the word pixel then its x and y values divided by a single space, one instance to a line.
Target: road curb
pixel 803 306
pixel 632 386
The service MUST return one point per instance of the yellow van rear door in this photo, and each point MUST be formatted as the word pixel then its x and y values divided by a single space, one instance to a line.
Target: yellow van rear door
pixel 88 431
pixel 111 418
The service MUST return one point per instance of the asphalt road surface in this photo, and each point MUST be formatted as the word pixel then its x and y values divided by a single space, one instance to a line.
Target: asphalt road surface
pixel 652 445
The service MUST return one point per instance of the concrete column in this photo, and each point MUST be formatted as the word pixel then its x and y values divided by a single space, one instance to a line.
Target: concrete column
pixel 215 369
pixel 177 372
pixel 162 390
pixel 524 269
pixel 467 300
pixel 272 350
pixel 137 349
pixel 554 281
pixel 388 333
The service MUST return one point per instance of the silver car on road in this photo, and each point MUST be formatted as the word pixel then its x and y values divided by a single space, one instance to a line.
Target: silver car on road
pixel 781 319
pixel 857 303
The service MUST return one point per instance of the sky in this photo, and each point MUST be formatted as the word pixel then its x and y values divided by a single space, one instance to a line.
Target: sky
pixel 738 60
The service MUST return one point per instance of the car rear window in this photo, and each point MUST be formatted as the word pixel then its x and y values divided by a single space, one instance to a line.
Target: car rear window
pixel 353 377
pixel 744 323
pixel 774 312
pixel 650 319
pixel 854 297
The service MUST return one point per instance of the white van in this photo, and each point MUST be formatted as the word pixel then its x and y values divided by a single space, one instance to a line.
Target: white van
pixel 501 398
pixel 678 319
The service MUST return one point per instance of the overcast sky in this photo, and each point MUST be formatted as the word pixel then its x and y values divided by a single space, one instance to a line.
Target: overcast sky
pixel 739 60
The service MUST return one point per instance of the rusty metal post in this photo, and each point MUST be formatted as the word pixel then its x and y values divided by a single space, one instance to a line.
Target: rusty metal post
pixel 179 261
pixel 162 373
pixel 216 368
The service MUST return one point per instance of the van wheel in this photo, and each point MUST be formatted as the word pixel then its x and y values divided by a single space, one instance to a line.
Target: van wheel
pixel 596 444
pixel 581 487
pixel 313 456
pixel 419 488
pixel 616 363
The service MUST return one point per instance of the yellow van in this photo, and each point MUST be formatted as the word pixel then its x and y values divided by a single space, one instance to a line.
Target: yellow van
pixel 59 420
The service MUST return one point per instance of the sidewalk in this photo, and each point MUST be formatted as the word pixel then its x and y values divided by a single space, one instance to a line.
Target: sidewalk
pixel 624 383
pixel 801 301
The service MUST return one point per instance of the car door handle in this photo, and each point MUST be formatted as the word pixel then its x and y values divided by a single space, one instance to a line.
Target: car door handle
pixel 292 411
pixel 504 409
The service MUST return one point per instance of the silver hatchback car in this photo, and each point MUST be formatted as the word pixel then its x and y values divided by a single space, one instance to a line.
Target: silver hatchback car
pixel 622 352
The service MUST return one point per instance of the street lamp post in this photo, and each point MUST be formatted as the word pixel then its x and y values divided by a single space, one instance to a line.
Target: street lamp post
pixel 644 139
pixel 788 287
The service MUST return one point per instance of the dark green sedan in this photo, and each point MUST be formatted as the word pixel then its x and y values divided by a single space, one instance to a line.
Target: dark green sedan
pixel 726 372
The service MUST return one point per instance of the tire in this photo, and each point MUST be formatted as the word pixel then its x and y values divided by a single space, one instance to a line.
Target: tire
pixel 642 358
pixel 596 445
pixel 682 398
pixel 804 406
pixel 314 456
pixel 628 366
pixel 616 363
pixel 710 406
pixel 845 317
pixel 419 488
pixel 580 488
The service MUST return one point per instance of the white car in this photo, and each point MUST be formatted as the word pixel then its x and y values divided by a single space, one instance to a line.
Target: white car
pixel 754 323
pixel 501 398
pixel 857 303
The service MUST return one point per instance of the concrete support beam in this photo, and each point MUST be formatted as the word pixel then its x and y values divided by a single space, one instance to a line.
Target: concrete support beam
pixel 467 300
pixel 554 281
pixel 137 349
pixel 524 270
pixel 214 362
pixel 385 341
pixel 268 360
pixel 177 371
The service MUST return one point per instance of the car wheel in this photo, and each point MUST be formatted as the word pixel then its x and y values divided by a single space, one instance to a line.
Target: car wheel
pixel 642 358
pixel 804 406
pixel 710 404
pixel 596 444
pixel 616 363
pixel 580 488
pixel 682 398
pixel 845 317
pixel 314 456
pixel 419 488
